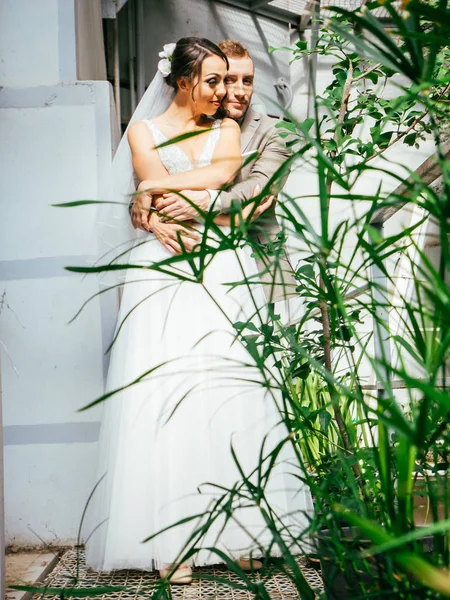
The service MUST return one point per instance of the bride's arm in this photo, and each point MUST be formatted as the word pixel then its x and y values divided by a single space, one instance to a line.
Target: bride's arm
pixel 226 161
pixel 145 157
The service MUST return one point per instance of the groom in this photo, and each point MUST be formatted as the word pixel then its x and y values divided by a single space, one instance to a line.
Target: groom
pixel 258 134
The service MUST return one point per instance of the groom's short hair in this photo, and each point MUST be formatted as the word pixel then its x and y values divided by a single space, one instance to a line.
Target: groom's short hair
pixel 234 49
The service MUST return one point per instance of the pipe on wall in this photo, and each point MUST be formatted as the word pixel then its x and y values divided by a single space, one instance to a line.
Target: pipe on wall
pixel 132 53
pixel 140 59
pixel 117 67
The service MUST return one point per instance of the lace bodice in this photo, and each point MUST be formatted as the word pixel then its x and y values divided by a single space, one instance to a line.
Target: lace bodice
pixel 175 159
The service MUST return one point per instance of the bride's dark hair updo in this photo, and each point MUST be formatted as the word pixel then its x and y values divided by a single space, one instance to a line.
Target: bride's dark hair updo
pixel 188 56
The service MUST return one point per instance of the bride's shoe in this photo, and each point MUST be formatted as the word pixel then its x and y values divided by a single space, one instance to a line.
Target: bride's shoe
pixel 182 576
pixel 249 564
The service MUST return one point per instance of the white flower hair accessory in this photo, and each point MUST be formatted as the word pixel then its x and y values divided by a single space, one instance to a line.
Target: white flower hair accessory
pixel 164 65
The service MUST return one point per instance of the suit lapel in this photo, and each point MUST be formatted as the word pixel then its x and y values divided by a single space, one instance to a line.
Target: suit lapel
pixel 249 127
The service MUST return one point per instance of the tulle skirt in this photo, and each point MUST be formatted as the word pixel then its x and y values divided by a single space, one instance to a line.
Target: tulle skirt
pixel 165 445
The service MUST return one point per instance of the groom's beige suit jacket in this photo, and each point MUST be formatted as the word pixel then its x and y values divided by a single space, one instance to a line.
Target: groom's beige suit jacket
pixel 259 134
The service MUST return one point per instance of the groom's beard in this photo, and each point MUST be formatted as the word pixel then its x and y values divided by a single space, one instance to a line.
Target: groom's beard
pixel 237 114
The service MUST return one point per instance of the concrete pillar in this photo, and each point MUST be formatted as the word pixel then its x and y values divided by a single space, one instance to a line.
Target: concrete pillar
pixel 57 141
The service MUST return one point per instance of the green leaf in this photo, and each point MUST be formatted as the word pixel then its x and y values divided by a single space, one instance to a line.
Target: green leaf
pixel 410 139
pixel 306 270
pixel 384 139
pixel 375 132
pixel 286 125
pixel 251 346
pixel 67 592
pixel 406 455
pixel 302 371
pixel 307 124
pixel 436 15
pixel 85 203
pixel 435 578
pixel 241 325
pixel 324 419
pixel 383 50
pixel 374 234
pixel 181 137
pixel 272 49
pixel 330 144
pixel 267 330
pixel 372 76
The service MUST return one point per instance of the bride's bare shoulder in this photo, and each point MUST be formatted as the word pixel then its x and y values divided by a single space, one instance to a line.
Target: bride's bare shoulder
pixel 139 133
pixel 230 125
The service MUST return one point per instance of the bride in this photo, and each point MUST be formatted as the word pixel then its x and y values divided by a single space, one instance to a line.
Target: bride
pixel 186 389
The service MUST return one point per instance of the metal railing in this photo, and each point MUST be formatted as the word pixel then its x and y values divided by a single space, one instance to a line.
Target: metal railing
pixel 429 171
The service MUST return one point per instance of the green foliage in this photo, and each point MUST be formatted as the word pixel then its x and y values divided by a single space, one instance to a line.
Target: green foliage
pixel 362 447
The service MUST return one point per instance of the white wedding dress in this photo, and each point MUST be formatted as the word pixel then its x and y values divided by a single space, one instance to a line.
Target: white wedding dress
pixel 157 467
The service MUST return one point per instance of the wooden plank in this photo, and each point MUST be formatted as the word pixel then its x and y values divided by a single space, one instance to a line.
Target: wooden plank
pixel 305 19
pixel 398 384
pixel 429 171
pixel 255 4
pixel 91 64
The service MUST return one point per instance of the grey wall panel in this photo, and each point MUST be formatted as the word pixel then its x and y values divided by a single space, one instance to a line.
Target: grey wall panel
pixel 51 433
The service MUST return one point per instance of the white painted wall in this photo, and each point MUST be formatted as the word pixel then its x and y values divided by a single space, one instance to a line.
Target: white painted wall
pixel 37 42
pixel 56 147
pixel 303 182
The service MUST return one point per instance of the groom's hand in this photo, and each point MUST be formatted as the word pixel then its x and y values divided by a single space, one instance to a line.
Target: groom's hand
pixel 173 206
pixel 254 210
pixel 167 234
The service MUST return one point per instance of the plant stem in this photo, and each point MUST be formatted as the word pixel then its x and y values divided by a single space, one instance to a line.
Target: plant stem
pixel 365 73
pixel 324 310
pixel 413 124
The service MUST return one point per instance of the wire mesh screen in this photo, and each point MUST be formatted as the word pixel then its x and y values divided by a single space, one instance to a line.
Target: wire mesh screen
pixel 300 6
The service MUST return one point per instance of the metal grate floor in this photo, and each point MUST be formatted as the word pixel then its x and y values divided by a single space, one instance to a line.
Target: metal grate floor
pixel 141 584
